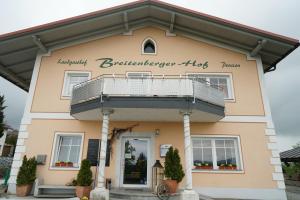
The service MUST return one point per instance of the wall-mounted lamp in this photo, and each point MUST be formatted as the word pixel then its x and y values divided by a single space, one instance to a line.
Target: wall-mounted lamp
pixel 157 132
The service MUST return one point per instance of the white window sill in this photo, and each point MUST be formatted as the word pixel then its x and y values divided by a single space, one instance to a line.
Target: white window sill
pixel 218 171
pixel 65 168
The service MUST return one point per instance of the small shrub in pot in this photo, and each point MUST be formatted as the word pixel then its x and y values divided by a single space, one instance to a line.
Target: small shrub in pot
pixel 84 179
pixel 26 176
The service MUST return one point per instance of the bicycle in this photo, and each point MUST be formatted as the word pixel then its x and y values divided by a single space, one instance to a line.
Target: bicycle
pixel 163 191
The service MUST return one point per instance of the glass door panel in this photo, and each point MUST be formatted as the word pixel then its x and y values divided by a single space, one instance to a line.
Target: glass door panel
pixel 135 156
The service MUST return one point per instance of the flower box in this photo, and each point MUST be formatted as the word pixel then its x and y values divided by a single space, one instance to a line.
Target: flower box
pixel 227 167
pixel 204 167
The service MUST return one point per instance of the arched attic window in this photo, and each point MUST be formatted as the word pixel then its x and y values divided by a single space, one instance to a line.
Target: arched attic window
pixel 149 46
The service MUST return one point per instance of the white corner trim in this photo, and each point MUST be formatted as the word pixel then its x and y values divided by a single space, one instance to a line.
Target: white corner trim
pixel 281 184
pixel 269 131
pixel 277 176
pixel 23 135
pixel 275 161
pixel 272 146
pixel 265 99
pixel 275 154
pixel 278 168
pixel 273 138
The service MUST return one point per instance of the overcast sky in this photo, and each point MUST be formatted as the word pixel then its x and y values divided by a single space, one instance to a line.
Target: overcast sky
pixel 277 16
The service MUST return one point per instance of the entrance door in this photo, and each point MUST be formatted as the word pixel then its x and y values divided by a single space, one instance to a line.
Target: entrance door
pixel 135 162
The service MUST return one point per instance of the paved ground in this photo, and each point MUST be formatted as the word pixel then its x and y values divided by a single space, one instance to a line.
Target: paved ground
pixel 293 192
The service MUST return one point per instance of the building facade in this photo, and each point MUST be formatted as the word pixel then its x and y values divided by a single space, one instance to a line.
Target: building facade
pixel 136 90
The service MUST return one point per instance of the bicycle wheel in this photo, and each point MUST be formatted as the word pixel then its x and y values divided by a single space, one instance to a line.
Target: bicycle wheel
pixel 163 192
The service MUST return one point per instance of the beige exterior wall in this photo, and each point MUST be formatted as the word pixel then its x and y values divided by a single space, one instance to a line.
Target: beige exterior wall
pixel 255 155
pixel 248 101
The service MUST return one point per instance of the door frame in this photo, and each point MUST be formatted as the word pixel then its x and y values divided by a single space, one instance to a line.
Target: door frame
pixel 119 162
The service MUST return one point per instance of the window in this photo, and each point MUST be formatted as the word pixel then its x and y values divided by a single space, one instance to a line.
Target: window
pixel 149 46
pixel 67 150
pixel 72 79
pixel 220 82
pixel 216 153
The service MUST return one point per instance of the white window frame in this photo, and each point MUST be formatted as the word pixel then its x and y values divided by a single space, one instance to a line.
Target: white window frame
pixel 154 43
pixel 240 165
pixel 229 80
pixel 64 94
pixel 54 150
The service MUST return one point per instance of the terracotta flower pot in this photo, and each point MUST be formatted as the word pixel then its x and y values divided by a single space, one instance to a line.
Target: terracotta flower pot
pixel 69 164
pixel 23 190
pixel 172 185
pixel 83 191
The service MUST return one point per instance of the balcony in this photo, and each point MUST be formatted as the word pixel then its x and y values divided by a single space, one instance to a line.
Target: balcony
pixel 147 98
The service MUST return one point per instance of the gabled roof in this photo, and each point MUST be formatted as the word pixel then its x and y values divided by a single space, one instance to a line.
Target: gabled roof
pixel 18 49
pixel 291 155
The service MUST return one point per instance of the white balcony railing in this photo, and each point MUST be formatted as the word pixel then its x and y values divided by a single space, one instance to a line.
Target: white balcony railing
pixel 147 86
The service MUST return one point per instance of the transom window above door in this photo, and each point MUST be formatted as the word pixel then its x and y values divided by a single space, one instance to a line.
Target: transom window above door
pixel 220 82
pixel 73 78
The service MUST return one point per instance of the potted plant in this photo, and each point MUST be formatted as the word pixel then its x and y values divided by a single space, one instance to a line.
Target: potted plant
pixel 197 164
pixel 200 165
pixel 26 176
pixel 69 164
pixel 228 167
pixel 63 164
pixel 57 164
pixel 173 169
pixel 84 179
pixel 231 166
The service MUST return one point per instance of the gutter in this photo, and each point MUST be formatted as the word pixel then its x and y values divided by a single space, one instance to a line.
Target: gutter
pixel 273 65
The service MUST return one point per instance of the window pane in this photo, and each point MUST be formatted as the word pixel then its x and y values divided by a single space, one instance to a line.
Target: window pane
pixel 74 79
pixel 197 143
pixel 65 140
pixel 230 154
pixel 206 143
pixel 63 153
pixel 76 140
pixel 223 81
pixel 229 143
pixel 220 156
pixel 197 153
pixel 149 47
pixel 214 81
pixel 207 155
pixel 74 155
pixel 220 143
